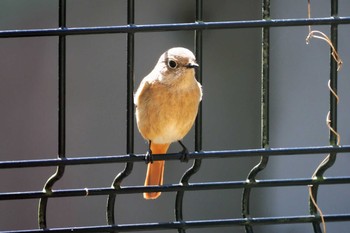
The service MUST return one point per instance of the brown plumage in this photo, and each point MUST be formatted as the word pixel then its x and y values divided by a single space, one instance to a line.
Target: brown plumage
pixel 166 106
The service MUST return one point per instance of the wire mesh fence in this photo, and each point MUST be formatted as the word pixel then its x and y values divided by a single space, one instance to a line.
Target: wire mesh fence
pixel 117 188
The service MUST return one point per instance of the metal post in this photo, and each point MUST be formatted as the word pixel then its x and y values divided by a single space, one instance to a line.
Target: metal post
pixel 129 114
pixel 61 117
pixel 198 124
pixel 265 74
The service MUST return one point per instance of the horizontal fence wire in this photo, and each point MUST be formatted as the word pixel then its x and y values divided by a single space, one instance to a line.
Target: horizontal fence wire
pixel 134 28
pixel 101 159
pixel 175 187
pixel 129 158
pixel 194 224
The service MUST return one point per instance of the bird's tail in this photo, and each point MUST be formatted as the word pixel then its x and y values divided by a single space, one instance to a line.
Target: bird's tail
pixel 155 170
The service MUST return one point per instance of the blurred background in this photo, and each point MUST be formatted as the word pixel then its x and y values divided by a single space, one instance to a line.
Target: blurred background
pixel 96 110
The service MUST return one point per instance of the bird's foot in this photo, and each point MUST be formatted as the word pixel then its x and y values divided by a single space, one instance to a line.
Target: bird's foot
pixel 184 152
pixel 149 157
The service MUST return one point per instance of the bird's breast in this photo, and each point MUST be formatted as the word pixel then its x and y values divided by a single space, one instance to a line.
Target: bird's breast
pixel 166 114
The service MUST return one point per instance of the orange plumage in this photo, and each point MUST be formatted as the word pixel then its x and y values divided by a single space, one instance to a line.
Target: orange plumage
pixel 167 103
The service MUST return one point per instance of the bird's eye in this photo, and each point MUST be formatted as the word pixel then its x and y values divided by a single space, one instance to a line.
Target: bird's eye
pixel 172 64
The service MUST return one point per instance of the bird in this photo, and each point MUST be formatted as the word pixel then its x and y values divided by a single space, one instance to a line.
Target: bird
pixel 167 102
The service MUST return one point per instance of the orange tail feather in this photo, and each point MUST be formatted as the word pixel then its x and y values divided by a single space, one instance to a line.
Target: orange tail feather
pixel 155 170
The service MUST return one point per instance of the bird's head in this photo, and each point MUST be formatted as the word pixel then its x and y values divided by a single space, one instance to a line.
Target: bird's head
pixel 177 64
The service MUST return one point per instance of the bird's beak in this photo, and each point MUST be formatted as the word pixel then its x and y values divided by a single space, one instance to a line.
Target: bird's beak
pixel 192 65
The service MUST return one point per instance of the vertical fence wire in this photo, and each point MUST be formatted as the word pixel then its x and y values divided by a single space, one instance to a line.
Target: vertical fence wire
pixel 198 41
pixel 265 73
pixel 129 114
pixel 42 221
pixel 333 138
pixel 199 56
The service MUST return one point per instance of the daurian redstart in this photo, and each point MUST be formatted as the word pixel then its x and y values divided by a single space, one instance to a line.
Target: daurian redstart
pixel 167 103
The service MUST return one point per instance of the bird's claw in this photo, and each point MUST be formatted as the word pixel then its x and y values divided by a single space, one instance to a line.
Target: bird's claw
pixel 184 153
pixel 149 157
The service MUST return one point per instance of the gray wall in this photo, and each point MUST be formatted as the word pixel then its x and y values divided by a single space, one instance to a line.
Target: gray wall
pixel 96 91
